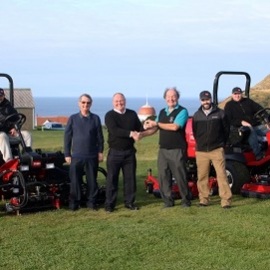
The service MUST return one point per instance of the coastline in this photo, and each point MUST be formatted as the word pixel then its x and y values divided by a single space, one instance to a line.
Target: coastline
pixel 59 109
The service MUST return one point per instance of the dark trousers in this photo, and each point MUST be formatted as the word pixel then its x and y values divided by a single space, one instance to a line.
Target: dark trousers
pixel 117 160
pixel 172 162
pixel 76 172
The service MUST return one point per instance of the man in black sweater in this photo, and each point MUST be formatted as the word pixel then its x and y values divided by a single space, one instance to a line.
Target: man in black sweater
pixel 83 149
pixel 211 130
pixel 124 128
pixel 241 111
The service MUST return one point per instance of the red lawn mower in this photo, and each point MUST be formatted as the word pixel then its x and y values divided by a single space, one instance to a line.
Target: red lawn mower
pixel 245 174
pixel 35 180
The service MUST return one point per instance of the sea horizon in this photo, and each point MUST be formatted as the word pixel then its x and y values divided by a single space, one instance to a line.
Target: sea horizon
pixel 66 106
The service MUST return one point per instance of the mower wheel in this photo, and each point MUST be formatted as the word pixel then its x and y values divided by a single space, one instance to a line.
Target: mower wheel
pixel 237 174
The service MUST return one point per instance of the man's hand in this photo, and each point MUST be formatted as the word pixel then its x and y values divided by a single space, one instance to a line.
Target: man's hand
pixel 13 132
pixel 100 157
pixel 245 124
pixel 135 135
pixel 149 124
pixel 68 160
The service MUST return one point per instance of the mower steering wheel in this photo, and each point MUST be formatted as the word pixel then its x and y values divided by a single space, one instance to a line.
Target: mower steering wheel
pixel 16 119
pixel 263 116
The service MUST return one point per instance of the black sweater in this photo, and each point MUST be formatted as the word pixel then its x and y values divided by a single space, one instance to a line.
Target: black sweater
pixel 119 128
pixel 6 109
pixel 242 110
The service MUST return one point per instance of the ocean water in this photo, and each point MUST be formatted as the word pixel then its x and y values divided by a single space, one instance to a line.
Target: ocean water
pixel 58 106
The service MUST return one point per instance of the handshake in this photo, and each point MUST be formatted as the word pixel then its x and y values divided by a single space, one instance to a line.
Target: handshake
pixel 136 136
pixel 150 126
pixel 148 123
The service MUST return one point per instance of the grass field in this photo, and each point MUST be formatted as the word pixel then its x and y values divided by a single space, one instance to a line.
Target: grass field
pixel 151 238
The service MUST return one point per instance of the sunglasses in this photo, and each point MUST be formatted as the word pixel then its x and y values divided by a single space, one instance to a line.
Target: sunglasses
pixel 85 102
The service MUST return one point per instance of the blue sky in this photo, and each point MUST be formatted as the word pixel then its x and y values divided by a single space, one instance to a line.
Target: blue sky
pixel 138 47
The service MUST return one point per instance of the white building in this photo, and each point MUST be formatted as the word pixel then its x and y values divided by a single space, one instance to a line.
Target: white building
pixel 146 111
pixel 48 125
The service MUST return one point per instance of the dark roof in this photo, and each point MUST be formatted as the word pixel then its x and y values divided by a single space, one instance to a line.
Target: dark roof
pixel 23 97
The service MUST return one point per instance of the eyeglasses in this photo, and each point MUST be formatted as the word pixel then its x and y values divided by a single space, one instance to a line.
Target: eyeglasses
pixel 85 102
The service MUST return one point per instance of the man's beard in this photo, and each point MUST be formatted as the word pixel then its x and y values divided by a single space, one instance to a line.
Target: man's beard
pixel 207 106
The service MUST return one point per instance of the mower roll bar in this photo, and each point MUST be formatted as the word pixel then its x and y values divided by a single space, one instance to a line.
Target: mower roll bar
pixel 11 100
pixel 219 74
pixel 11 87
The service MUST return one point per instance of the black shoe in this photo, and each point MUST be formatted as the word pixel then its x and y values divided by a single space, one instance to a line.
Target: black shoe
pixel 109 209
pixel 131 206
pixel 185 203
pixel 74 207
pixel 167 205
pixel 93 208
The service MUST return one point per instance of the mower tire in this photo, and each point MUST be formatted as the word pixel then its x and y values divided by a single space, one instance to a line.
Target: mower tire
pixel 237 174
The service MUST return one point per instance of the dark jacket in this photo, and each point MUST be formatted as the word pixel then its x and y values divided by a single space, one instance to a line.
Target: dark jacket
pixel 6 109
pixel 211 131
pixel 83 136
pixel 237 111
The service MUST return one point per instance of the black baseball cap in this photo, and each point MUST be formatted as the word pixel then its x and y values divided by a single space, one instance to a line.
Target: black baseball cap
pixel 205 95
pixel 237 90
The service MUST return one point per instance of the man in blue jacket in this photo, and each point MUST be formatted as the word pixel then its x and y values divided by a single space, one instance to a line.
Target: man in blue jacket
pixel 211 130
pixel 83 149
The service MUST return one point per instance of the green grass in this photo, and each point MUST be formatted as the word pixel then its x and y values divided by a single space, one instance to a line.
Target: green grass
pixel 151 238
pixel 53 140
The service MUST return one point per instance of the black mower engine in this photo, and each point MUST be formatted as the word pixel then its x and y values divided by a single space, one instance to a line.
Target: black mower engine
pixel 32 179
pixel 39 181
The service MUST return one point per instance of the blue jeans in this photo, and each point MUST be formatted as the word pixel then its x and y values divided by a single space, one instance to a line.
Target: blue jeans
pixel 257 133
pixel 76 170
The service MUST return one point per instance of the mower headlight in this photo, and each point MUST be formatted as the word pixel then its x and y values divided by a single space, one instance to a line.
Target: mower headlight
pixel 24 168
pixel 50 166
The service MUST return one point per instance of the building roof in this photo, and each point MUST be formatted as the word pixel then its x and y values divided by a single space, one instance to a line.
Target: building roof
pixel 60 119
pixel 23 98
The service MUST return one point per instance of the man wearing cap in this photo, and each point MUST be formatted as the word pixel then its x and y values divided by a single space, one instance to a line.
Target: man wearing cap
pixel 9 133
pixel 211 130
pixel 240 111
